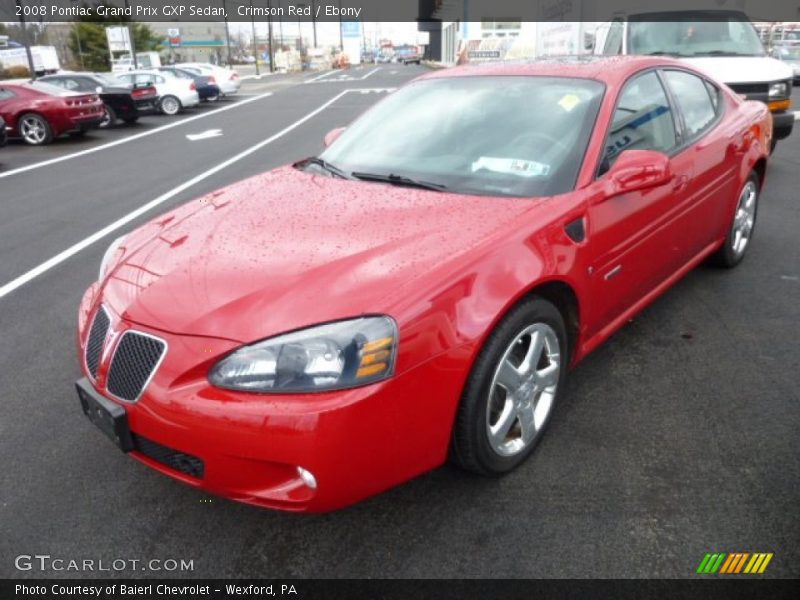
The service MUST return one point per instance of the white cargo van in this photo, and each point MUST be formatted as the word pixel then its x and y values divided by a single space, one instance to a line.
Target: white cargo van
pixel 723 43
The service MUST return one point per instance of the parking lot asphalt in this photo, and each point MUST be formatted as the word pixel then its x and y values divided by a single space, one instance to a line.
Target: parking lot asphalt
pixel 676 438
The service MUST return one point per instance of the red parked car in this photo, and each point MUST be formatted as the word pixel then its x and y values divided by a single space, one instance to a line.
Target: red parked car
pixel 39 112
pixel 321 332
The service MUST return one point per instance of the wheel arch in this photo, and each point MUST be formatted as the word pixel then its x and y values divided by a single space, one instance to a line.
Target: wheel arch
pixel 760 168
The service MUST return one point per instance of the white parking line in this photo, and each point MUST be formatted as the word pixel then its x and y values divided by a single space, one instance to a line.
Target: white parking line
pixel 318 77
pixel 119 223
pixel 341 78
pixel 131 138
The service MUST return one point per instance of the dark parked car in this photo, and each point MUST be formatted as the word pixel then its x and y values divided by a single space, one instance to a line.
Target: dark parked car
pixel 3 134
pixel 206 85
pixel 38 112
pixel 408 55
pixel 119 101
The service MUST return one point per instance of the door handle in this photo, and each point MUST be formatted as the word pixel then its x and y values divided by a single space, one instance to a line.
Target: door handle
pixel 680 183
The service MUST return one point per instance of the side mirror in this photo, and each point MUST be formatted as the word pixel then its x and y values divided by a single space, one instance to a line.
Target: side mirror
pixel 637 170
pixel 331 136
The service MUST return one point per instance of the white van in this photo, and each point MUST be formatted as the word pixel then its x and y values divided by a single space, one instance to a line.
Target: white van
pixel 722 43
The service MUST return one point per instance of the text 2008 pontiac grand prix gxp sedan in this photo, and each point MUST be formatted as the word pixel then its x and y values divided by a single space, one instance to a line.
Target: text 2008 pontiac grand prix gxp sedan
pixel 318 333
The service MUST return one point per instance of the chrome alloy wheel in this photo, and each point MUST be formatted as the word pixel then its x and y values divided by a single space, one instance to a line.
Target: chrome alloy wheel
pixel 170 105
pixel 523 388
pixel 33 130
pixel 744 219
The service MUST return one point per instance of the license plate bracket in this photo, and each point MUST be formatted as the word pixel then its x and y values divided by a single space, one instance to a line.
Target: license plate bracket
pixel 108 416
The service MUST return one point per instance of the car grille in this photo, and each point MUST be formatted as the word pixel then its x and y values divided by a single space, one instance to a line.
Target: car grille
pixel 750 88
pixel 94 345
pixel 752 91
pixel 135 360
pixel 185 463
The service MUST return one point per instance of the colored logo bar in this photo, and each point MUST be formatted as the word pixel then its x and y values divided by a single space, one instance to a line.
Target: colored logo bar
pixel 734 563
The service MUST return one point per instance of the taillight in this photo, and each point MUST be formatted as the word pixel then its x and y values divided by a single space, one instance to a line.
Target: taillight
pixel 192 86
pixel 234 75
pixel 211 80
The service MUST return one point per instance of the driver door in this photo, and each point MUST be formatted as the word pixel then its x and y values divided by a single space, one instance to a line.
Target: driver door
pixel 632 244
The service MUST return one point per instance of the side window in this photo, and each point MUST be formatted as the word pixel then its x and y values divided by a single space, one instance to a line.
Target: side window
pixel 614 39
pixel 713 91
pixel 692 97
pixel 127 78
pixel 57 82
pixel 643 120
pixel 71 84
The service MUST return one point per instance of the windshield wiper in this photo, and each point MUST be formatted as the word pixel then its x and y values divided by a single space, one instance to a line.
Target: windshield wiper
pixel 400 180
pixel 332 169
pixel 722 53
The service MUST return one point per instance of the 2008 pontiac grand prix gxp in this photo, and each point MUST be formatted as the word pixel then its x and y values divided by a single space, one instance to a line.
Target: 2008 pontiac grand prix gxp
pixel 318 333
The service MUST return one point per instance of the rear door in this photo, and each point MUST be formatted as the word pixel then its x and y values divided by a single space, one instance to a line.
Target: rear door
pixel 712 148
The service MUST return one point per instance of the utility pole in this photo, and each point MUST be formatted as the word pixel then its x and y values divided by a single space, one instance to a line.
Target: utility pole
pixel 269 38
pixel 341 36
pixel 280 24
pixel 26 41
pixel 255 46
pixel 130 39
pixel 227 31
pixel 314 21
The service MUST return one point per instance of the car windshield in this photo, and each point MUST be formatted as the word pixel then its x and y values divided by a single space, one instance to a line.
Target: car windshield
pixel 106 79
pixel 682 34
pixel 487 135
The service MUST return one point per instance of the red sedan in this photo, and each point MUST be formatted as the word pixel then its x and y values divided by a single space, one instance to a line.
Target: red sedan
pixel 39 112
pixel 319 333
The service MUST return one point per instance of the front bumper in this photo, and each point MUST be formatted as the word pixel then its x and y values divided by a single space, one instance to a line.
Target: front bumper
pixel 356 442
pixel 782 124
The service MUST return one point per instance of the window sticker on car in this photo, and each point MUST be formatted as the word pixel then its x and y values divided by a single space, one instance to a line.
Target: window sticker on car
pixel 569 101
pixel 512 166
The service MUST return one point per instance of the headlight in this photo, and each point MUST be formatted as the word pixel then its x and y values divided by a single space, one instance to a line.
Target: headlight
pixel 109 256
pixel 778 90
pixel 333 356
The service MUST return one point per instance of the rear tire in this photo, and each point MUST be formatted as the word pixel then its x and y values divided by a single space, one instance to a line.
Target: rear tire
pixel 35 130
pixel 170 105
pixel 772 145
pixel 511 390
pixel 740 233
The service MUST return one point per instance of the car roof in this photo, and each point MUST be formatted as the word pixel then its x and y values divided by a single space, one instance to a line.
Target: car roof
pixel 608 69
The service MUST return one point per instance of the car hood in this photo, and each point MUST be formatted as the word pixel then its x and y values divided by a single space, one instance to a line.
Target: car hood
pixel 742 69
pixel 287 249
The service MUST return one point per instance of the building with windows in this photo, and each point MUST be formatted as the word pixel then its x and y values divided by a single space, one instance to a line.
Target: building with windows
pixel 192 41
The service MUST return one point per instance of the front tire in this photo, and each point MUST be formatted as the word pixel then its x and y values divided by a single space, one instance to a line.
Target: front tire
pixel 511 391
pixel 741 231
pixel 35 130
pixel 170 105
pixel 109 118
